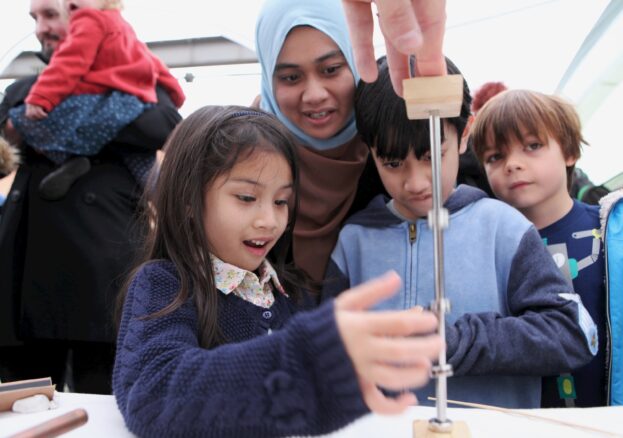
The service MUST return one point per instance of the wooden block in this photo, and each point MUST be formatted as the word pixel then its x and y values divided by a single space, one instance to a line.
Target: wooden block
pixel 421 430
pixel 433 93
pixel 12 391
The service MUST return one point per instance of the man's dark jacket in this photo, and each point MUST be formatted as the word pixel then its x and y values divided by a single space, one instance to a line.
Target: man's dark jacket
pixel 62 262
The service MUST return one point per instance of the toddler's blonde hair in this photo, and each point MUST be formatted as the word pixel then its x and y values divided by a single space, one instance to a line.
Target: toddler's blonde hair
pixel 113 4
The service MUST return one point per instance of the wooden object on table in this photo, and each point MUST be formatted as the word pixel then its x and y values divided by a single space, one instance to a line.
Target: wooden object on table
pixel 426 94
pixel 56 426
pixel 12 391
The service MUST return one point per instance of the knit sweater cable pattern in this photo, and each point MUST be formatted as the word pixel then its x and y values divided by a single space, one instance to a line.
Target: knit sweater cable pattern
pixel 297 380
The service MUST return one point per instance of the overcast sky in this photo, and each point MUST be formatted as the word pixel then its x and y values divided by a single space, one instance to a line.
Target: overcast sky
pixel 524 43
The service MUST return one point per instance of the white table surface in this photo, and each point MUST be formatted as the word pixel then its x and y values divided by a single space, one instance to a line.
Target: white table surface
pixel 106 421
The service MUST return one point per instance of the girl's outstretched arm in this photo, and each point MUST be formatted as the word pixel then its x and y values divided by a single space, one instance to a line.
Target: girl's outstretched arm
pixel 300 380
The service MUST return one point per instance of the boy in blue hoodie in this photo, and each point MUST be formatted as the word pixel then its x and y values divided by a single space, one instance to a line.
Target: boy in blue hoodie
pixel 514 318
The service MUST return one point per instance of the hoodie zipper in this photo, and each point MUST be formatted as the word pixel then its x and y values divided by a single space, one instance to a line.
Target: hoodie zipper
pixel 608 322
pixel 412 233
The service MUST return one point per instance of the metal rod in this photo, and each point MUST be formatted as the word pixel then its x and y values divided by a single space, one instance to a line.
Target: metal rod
pixel 438 220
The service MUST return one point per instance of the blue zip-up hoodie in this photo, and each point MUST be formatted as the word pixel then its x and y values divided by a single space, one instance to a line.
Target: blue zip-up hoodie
pixel 514 318
pixel 611 214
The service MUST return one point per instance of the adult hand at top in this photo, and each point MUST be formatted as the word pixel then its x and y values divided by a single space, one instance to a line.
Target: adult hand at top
pixel 410 27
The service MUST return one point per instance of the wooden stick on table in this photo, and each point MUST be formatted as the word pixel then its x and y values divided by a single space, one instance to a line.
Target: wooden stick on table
pixel 56 426
pixel 533 417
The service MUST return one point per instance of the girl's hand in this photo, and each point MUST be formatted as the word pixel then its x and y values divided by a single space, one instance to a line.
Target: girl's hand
pixel 35 112
pixel 381 345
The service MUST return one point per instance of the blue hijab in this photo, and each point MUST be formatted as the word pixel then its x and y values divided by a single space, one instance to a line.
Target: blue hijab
pixel 275 21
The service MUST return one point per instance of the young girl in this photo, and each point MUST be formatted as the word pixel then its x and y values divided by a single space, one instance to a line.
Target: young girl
pixel 308 82
pixel 99 80
pixel 209 343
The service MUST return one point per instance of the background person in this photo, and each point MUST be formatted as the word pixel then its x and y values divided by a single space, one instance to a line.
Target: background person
pixel 98 81
pixel 62 262
pixel 529 143
pixel 308 82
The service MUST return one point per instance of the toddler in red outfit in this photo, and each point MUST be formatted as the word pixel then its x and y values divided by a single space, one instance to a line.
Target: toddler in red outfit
pixel 99 80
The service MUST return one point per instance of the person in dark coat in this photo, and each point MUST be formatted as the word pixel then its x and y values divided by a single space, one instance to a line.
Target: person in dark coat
pixel 62 262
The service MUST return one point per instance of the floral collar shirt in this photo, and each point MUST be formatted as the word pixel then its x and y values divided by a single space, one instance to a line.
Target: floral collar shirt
pixel 254 288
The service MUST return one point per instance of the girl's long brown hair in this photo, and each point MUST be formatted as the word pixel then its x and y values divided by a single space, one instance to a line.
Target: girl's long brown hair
pixel 202 147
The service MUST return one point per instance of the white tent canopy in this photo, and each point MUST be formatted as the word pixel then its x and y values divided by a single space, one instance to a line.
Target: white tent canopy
pixel 567 46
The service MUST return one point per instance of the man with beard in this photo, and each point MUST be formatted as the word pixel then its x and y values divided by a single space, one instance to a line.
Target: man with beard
pixel 63 261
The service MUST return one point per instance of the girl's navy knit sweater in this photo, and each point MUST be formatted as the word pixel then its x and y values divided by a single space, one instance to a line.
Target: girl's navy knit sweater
pixel 279 374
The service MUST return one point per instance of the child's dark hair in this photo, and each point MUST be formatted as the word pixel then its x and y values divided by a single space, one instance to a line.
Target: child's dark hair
pixel 382 117
pixel 203 147
pixel 512 114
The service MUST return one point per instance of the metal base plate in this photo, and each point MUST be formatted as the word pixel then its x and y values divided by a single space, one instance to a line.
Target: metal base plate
pixel 421 429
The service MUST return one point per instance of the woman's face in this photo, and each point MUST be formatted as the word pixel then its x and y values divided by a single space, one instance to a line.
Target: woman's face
pixel 313 84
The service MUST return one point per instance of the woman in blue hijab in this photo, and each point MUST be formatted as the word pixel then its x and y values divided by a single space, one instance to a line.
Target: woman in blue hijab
pixel 308 82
